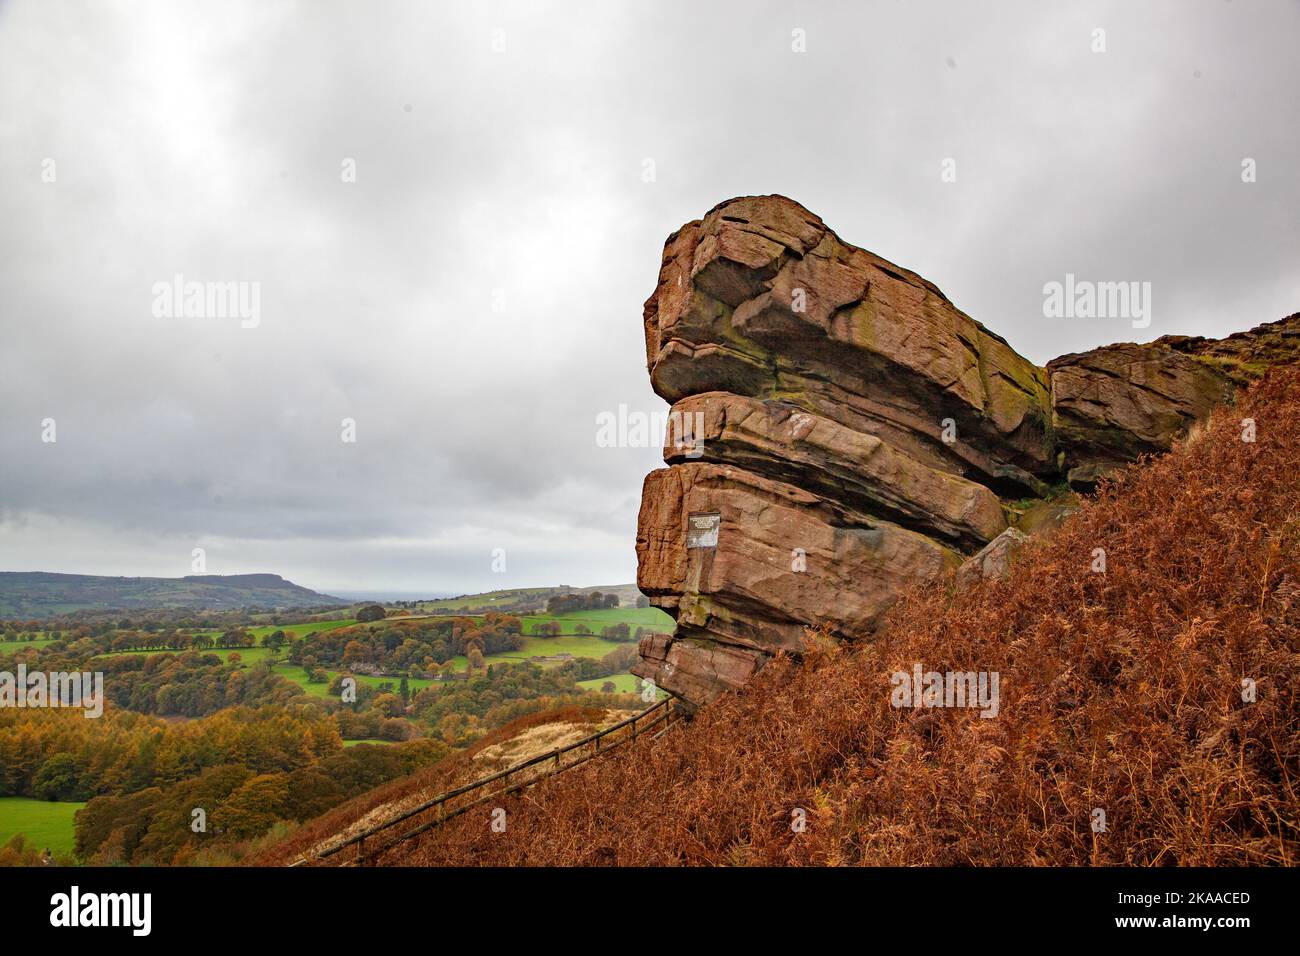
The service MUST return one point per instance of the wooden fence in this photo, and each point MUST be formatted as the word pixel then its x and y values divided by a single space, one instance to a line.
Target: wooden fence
pixel 384 836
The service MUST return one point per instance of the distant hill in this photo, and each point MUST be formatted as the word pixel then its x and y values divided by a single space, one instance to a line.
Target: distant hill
pixel 521 600
pixel 34 594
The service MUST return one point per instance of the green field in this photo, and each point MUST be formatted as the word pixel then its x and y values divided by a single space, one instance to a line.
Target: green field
pixel 530 597
pixel 300 629
pixel 369 740
pixel 623 683
pixel 251 655
pixel 484 601
pixel 650 618
pixel 9 646
pixel 45 823
pixel 262 630
pixel 299 676
pixel 578 645
pixel 247 655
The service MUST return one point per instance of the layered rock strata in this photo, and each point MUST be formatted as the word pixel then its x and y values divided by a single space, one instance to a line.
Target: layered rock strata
pixel 843 431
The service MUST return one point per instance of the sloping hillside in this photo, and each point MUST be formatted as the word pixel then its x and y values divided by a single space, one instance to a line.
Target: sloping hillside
pixel 31 594
pixel 523 600
pixel 506 746
pixel 1121 691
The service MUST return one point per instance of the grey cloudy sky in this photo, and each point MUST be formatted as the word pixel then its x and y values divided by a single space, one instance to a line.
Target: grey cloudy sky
pixel 207 139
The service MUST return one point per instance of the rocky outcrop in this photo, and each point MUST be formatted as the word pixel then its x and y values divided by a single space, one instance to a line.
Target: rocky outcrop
pixel 1243 356
pixel 761 299
pixel 1115 403
pixel 843 431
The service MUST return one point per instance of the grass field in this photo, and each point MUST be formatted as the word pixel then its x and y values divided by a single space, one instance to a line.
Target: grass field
pixel 368 740
pixel 45 823
pixel 535 597
pixel 8 646
pixel 648 617
pixel 481 602
pixel 623 683
pixel 247 655
pixel 251 655
pixel 299 676
pixel 582 645
pixel 578 645
pixel 262 630
pixel 300 629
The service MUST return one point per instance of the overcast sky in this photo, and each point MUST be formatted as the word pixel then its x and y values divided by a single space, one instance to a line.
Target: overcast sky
pixel 473 300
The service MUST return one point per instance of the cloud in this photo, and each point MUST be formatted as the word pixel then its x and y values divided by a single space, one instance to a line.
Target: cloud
pixel 473 299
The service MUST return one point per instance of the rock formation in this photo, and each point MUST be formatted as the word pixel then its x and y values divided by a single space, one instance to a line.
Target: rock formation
pixel 1117 402
pixel 840 430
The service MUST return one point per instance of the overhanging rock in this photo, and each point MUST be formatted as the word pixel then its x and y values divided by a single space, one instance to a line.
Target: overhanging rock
pixel 854 433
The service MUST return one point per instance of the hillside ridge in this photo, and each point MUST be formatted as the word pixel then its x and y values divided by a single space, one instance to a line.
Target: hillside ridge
pixel 32 594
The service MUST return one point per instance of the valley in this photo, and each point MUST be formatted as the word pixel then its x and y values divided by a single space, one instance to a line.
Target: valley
pixel 251 707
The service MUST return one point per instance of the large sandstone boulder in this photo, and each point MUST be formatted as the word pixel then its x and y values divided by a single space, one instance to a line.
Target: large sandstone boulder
pixel 1115 403
pixel 761 299
pixel 841 431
